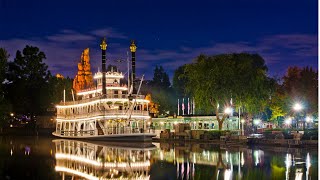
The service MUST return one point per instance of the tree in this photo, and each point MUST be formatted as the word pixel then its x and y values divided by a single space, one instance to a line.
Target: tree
pixel 277 103
pixel 4 56
pixel 28 80
pixel 214 80
pixel 179 81
pixel 301 85
pixel 56 87
pixel 159 88
pixel 5 105
pixel 160 78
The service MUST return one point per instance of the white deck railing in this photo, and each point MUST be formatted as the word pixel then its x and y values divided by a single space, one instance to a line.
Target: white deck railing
pixel 107 131
pixel 104 113
pixel 108 96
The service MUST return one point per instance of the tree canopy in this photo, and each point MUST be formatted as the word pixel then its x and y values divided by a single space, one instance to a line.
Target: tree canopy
pixel 301 85
pixel 5 105
pixel 161 91
pixel 214 80
pixel 179 81
pixel 30 73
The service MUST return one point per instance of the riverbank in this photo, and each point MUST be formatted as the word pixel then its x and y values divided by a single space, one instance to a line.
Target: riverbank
pixel 239 141
pixel 257 142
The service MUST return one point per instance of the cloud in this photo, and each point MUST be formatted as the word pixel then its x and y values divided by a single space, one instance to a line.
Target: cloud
pixel 70 36
pixel 63 51
pixel 108 33
pixel 278 51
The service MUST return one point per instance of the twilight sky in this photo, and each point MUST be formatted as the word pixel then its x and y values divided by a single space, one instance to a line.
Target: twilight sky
pixel 168 33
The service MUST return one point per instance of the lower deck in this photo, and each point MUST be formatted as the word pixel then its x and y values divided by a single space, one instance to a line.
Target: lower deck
pixel 113 129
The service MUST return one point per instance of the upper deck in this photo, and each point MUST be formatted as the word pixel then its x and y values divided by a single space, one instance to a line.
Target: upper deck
pixel 107 98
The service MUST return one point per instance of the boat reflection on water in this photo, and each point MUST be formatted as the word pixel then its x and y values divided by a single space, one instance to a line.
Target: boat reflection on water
pixel 202 161
pixel 107 160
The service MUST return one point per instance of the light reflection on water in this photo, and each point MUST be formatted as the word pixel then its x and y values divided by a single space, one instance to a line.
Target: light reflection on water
pixel 45 158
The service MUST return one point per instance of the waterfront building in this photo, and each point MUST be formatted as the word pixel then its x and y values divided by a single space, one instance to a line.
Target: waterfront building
pixel 196 123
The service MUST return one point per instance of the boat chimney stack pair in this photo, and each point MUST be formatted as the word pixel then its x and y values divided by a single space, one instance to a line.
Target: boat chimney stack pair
pixel 133 49
pixel 103 46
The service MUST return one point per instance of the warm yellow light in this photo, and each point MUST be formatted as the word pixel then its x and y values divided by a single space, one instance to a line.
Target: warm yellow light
pixel 101 101
pixel 77 158
pixel 100 90
pixel 87 176
pixel 99 76
pixel 103 44
pixel 133 46
pixel 111 116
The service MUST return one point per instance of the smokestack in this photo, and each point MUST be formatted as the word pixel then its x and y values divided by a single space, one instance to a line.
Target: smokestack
pixel 133 49
pixel 103 46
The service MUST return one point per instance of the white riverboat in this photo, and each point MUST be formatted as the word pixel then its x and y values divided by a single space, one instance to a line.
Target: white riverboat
pixel 110 111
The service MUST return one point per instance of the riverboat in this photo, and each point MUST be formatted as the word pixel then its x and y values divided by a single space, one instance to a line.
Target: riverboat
pixel 109 111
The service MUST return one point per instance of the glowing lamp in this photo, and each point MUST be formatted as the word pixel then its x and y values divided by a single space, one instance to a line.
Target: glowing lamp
pixel 308 119
pixel 256 121
pixel 297 107
pixel 228 110
pixel 288 121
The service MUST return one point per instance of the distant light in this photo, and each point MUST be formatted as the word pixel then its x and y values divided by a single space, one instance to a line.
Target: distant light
pixel 11 114
pixel 297 107
pixel 228 110
pixel 242 121
pixel 308 119
pixel 288 121
pixel 256 121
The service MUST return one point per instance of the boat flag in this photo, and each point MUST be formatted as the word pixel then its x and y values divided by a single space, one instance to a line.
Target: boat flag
pixel 178 108
pixel 182 106
pixel 188 106
pixel 194 107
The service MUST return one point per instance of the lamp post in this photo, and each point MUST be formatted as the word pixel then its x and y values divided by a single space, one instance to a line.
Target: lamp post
pixel 256 122
pixel 242 130
pixel 228 110
pixel 308 120
pixel 288 122
pixel 297 107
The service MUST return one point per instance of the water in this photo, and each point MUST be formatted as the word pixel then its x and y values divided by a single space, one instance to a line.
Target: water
pixel 47 158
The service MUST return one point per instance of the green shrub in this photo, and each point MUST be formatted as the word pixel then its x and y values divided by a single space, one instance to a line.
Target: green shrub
pixel 310 134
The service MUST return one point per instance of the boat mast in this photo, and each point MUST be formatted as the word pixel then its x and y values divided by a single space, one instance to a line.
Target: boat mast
pixel 128 72
pixel 103 46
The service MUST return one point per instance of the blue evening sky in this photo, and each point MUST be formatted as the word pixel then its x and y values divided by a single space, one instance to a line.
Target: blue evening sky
pixel 168 33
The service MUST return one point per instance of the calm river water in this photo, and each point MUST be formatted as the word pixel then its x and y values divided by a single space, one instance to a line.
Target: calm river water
pixel 47 158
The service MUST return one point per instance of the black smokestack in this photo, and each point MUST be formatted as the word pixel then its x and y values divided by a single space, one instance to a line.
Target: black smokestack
pixel 133 49
pixel 103 46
